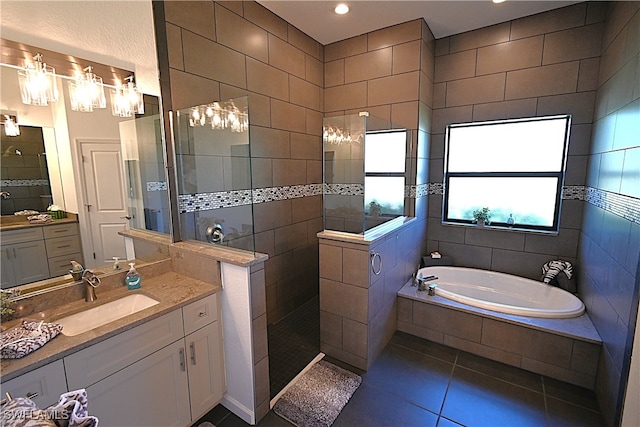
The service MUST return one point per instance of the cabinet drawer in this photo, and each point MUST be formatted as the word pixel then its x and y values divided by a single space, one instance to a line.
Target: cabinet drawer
pixel 200 313
pixel 61 230
pixel 59 266
pixel 94 363
pixel 22 235
pixel 62 246
pixel 48 381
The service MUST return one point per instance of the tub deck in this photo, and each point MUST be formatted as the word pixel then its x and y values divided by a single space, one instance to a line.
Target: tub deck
pixel 564 349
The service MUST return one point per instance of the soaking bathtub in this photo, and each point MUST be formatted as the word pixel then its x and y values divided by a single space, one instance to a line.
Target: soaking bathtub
pixel 500 292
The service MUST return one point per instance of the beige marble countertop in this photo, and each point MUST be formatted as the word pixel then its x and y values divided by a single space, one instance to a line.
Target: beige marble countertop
pixel 173 290
pixel 14 222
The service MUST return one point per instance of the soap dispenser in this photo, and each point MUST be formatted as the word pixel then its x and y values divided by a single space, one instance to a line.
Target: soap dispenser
pixel 132 279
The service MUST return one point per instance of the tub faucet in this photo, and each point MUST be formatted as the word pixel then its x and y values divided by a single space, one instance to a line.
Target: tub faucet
pixel 91 281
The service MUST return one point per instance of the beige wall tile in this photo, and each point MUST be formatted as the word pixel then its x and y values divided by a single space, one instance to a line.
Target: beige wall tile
pixel 354 337
pixel 541 81
pixel 304 93
pixel 368 65
pixel 263 17
pixel 448 321
pixel 331 329
pixel 306 208
pixel 289 172
pixel 314 122
pixel 174 46
pixel 547 22
pixel 269 216
pixel 514 55
pixel 427 61
pixel 476 90
pixel 188 90
pixel 272 143
pixel 343 300
pixel 426 90
pixel 305 43
pixel 261 172
pixel 286 57
pixel 314 173
pixel 198 54
pixel 259 105
pixel 596 12
pixel 334 73
pixel 588 74
pixel 196 16
pixel 389 90
pixel 405 114
pixel 494 34
pixel 345 48
pixel 579 105
pixel 446 116
pixel 261 372
pixel 613 58
pixel 314 69
pixel 267 80
pixel 381 111
pixel 394 35
pixel 344 97
pixel 290 237
pixel 239 34
pixel 442 46
pixel 406 57
pixel 305 146
pixel 287 116
pixel 405 310
pixel 618 19
pixel 576 43
pixel 633 36
pixel 355 267
pixel 260 348
pixel 455 66
pixel 439 95
pixel 258 294
pixel 234 6
pixel 505 109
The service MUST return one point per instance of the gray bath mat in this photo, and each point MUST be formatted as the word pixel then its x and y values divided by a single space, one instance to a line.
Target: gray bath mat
pixel 317 398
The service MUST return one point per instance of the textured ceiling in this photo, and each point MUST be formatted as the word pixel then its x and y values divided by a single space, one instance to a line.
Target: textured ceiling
pixel 118 33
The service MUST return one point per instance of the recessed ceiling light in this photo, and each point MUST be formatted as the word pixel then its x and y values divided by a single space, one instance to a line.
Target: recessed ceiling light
pixel 498 1
pixel 341 9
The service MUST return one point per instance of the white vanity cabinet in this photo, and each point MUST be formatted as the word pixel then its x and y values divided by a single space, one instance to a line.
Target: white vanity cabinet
pixel 161 373
pixel 24 256
pixel 43 385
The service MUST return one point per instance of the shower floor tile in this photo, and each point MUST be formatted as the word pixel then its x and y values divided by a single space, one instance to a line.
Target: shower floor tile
pixel 293 342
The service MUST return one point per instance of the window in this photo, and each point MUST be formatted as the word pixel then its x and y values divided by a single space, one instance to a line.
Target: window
pixel 513 167
pixel 384 167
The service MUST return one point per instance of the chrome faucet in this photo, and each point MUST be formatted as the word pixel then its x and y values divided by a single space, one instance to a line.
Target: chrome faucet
pixel 91 281
pixel 5 195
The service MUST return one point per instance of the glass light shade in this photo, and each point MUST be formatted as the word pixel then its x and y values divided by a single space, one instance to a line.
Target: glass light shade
pixel 127 100
pixel 38 83
pixel 86 92
pixel 11 127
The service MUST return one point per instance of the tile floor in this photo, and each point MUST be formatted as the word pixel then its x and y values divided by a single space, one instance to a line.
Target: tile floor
pixel 418 383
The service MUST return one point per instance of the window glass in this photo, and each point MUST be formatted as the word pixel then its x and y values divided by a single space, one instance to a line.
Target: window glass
pixel 513 167
pixel 387 192
pixel 385 152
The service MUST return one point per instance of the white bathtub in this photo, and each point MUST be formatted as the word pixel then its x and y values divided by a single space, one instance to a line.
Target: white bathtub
pixel 501 292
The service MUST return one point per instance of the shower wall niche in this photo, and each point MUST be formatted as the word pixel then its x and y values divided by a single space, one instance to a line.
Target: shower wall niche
pixel 213 167
pixel 365 172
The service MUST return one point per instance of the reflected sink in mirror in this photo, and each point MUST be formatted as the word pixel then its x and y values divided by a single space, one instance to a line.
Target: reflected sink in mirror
pixel 93 317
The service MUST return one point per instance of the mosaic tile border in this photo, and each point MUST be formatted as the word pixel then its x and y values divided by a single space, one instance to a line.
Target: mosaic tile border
pixel 23 182
pixel 156 186
pixel 626 207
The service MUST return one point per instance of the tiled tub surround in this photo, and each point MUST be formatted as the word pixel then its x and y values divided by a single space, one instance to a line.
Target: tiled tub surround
pixel 357 306
pixel 564 349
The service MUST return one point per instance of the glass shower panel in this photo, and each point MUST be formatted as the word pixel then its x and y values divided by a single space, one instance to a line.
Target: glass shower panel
pixel 146 174
pixel 343 142
pixel 213 167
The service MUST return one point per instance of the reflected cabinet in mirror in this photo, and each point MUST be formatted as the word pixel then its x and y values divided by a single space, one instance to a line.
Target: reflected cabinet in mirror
pixel 72 181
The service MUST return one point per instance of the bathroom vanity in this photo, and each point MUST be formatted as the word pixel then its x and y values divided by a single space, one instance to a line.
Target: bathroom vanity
pixel 163 365
pixel 32 252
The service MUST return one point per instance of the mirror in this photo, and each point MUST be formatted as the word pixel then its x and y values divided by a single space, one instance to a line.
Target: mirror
pixel 105 173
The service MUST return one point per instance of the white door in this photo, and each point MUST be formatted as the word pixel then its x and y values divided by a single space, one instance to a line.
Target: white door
pixel 105 200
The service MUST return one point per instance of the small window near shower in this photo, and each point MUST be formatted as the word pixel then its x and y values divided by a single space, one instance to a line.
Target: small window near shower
pixel 384 172
pixel 515 168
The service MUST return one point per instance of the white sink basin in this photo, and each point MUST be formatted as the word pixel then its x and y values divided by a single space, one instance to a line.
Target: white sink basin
pixel 101 315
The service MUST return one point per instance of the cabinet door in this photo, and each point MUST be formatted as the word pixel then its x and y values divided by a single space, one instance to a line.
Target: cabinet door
pixel 6 269
pixel 30 262
pixel 47 383
pixel 206 369
pixel 152 392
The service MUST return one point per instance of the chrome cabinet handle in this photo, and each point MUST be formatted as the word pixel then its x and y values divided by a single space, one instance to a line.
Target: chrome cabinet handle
pixel 182 365
pixel 373 263
pixel 192 347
